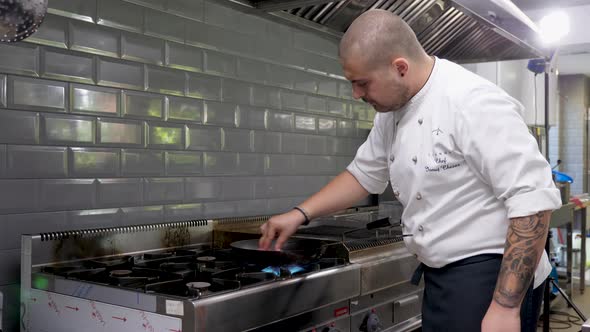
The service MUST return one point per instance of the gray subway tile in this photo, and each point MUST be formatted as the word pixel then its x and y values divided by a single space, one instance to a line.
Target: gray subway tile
pixel 19 196
pixel 223 114
pixel 345 90
pixel 142 105
pixel 183 212
pixel 204 86
pixel 3 158
pixel 121 15
pixel 142 48
pixel 203 138
pixel 220 163
pixel 202 188
pixel 281 76
pixel 250 164
pixel 36 94
pixel 163 25
pixel 79 9
pixel 262 187
pixel 327 126
pixel 89 162
pixel 163 190
pixel 185 109
pixel 346 128
pixel 14 225
pixel 279 121
pixel 282 34
pixel 119 192
pixel 251 117
pixel 238 92
pixel 237 140
pixel 119 132
pixel 278 164
pixel 187 8
pixel 166 81
pixel 314 43
pixel 305 123
pixel 338 145
pixel 52 32
pixel 237 188
pixel 328 87
pixel 143 215
pixel 220 63
pixel 252 70
pixel 141 162
pixel 96 218
pixel 25 161
pixel 266 96
pixel 94 100
pixel 183 163
pixel 121 74
pixel 337 107
pixel 219 209
pixel 184 57
pixel 316 104
pixel 293 143
pixel 164 135
pixel 219 38
pixel 155 4
pixel 19 127
pixel 316 144
pixel 68 194
pixel 10 266
pixel 280 205
pixel 251 208
pixel 19 58
pixel 267 142
pixel 3 90
pixel 66 66
pixel 60 129
pixel 92 38
pixel 360 110
pixel 305 81
pixel 363 128
pixel 292 100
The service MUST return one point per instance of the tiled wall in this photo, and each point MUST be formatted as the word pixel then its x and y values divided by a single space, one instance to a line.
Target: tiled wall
pixel 132 112
pixel 573 132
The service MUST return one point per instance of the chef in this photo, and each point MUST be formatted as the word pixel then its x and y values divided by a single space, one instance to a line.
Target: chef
pixel 477 194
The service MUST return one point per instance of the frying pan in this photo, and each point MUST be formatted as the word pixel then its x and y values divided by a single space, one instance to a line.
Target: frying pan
pixel 20 18
pixel 294 249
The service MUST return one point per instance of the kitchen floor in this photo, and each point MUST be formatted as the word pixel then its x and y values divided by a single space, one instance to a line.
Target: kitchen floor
pixel 564 319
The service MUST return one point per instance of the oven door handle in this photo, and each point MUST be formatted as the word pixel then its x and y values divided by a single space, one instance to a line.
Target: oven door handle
pixel 407 300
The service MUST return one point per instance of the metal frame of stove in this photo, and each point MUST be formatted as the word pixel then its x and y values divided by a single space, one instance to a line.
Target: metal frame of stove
pixel 375 282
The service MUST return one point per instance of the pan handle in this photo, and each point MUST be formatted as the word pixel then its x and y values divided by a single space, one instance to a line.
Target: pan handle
pixel 379 223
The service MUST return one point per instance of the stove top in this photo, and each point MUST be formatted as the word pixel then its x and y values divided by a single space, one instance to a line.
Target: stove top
pixel 192 274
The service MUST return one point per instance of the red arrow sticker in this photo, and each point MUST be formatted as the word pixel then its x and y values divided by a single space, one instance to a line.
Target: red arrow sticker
pixel 73 308
pixel 120 318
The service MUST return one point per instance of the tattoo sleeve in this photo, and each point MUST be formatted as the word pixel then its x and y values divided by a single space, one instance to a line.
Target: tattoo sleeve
pixel 525 243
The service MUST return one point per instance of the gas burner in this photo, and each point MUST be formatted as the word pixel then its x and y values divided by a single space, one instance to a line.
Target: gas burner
pixel 183 269
pixel 120 273
pixel 198 288
pixel 286 271
pixel 206 259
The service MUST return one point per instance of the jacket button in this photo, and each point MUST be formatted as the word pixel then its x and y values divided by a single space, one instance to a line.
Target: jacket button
pixel 420 121
pixel 396 193
pixel 415 159
pixel 418 196
pixel 392 158
pixel 420 228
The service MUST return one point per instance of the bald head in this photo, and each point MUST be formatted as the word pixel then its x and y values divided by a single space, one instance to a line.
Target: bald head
pixel 378 35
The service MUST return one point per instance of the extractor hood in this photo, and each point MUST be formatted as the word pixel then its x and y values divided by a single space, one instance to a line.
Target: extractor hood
pixel 459 30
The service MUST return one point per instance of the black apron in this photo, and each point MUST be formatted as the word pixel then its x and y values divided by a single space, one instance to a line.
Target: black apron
pixel 457 296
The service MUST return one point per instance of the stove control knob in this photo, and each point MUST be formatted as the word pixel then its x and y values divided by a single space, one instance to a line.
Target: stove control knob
pixel 371 323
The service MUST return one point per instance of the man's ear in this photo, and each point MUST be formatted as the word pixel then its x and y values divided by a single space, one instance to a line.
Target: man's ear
pixel 401 65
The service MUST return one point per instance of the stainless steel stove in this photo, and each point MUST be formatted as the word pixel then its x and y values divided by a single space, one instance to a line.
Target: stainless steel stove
pixel 182 276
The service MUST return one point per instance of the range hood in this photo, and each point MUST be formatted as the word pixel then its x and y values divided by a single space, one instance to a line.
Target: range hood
pixel 459 30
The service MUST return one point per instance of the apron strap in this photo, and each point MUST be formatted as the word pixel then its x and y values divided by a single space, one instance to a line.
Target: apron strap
pixel 417 276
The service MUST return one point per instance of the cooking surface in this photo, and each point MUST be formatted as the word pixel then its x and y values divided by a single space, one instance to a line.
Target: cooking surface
pixel 195 273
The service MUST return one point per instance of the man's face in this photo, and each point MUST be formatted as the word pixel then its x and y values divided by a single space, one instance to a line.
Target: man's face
pixel 380 86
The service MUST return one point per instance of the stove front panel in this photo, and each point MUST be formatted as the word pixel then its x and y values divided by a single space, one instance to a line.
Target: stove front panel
pixel 51 312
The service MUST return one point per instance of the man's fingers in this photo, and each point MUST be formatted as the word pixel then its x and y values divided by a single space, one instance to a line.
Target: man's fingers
pixel 281 240
pixel 267 236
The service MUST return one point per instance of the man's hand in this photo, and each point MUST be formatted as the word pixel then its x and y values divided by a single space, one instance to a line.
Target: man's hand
pixel 283 226
pixel 501 319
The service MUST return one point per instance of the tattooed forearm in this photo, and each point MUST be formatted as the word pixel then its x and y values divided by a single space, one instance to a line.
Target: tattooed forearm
pixel 524 245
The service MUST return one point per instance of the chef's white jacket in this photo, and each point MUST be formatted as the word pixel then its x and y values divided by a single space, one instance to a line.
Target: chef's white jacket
pixel 462 162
